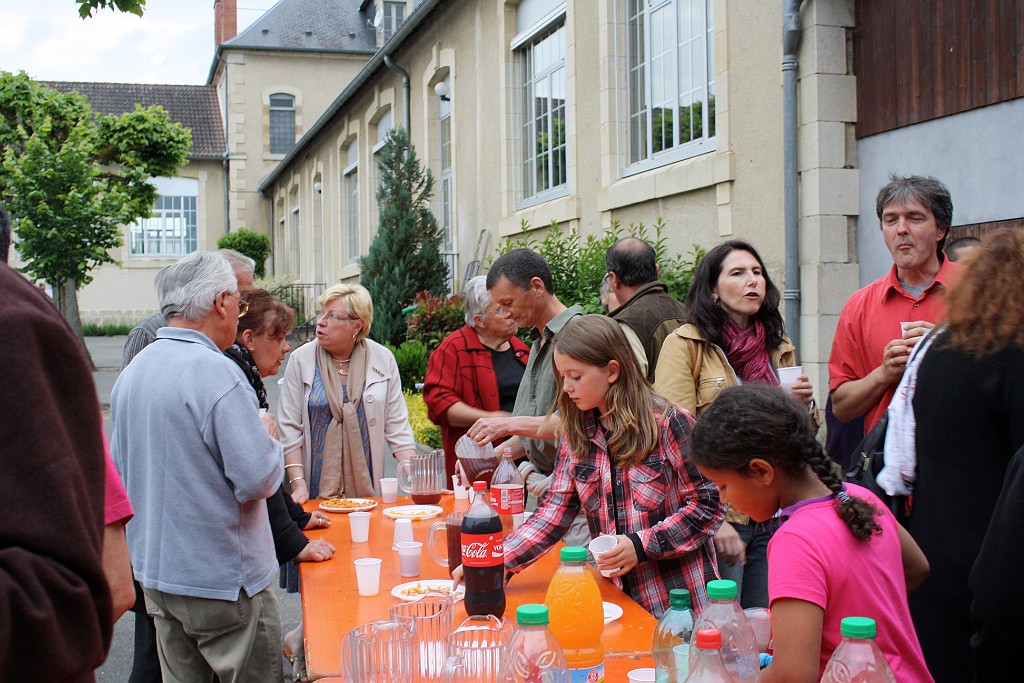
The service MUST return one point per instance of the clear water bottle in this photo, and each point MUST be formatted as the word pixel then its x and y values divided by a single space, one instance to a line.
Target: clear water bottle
pixel 724 614
pixel 672 639
pixel 858 659
pixel 508 493
pixel 533 655
pixel 708 667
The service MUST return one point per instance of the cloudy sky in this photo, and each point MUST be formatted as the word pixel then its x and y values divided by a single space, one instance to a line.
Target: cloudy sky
pixel 171 43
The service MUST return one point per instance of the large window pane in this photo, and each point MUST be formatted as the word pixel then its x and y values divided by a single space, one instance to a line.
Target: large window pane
pixel 671 75
pixel 542 79
pixel 171 230
pixel 282 123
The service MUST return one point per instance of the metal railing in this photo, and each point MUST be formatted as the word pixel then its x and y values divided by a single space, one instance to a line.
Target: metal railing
pixel 302 296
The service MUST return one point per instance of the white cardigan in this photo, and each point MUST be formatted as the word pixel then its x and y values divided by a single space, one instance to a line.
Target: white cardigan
pixel 387 416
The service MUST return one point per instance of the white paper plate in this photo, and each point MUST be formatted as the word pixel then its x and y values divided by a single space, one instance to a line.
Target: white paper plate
pixel 402 591
pixel 413 511
pixel 611 612
pixel 364 504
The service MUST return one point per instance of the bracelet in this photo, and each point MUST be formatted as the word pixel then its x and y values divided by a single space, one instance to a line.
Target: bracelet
pixel 295 479
pixel 294 464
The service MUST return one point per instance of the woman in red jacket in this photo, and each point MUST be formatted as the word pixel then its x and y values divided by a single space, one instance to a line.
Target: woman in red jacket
pixel 476 370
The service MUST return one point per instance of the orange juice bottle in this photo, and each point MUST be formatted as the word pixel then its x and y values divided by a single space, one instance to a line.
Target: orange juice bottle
pixel 577 616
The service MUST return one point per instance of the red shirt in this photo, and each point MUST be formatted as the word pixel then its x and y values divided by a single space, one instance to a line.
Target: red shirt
pixel 461 369
pixel 871 319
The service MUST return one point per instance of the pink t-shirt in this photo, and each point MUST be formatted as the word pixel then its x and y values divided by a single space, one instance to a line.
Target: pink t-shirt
pixel 814 557
pixel 116 506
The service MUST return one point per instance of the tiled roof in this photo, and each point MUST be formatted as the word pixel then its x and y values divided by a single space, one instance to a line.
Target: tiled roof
pixel 193 106
pixel 310 25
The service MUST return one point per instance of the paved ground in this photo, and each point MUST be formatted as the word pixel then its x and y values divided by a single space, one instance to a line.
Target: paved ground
pixel 106 354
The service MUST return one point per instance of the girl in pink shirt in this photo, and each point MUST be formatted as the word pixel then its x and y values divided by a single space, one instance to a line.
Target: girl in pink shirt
pixel 839 551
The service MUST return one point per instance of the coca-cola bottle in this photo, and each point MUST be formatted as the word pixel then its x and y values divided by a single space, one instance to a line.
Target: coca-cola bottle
pixel 508 493
pixel 483 557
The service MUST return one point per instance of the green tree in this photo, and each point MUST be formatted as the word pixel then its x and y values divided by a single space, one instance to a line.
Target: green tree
pixel 70 178
pixel 87 7
pixel 253 244
pixel 405 257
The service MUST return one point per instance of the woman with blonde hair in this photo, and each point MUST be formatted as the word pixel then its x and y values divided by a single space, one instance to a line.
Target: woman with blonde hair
pixel 969 413
pixel 342 407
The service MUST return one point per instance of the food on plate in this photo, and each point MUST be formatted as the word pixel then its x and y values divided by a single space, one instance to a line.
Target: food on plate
pixel 421 589
pixel 344 503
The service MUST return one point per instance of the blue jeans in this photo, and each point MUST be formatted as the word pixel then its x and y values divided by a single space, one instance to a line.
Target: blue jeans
pixel 751 578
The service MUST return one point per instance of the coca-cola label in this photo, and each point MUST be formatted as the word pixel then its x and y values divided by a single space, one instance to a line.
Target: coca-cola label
pixel 508 501
pixel 482 550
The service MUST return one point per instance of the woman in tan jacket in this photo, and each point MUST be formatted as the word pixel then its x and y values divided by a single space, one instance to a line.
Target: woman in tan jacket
pixel 735 335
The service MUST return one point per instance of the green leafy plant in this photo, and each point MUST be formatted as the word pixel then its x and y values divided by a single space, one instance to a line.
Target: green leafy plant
pixel 434 319
pixel 106 329
pixel 253 244
pixel 411 357
pixel 423 430
pixel 578 265
pixel 405 256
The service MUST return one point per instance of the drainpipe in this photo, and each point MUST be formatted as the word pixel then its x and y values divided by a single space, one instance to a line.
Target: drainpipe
pixel 406 93
pixel 790 47
pixel 227 148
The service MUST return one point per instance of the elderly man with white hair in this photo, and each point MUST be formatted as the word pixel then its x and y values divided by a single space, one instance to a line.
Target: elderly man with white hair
pixel 198 465
pixel 476 370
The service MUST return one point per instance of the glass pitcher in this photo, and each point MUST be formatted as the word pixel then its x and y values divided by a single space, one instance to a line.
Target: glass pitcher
pixel 379 652
pixel 423 477
pixel 476 648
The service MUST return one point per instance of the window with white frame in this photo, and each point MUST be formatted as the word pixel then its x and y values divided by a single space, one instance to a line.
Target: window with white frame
pixel 446 184
pixel 540 61
pixel 172 229
pixel 350 203
pixel 282 123
pixel 383 128
pixel 394 15
pixel 294 242
pixel 671 79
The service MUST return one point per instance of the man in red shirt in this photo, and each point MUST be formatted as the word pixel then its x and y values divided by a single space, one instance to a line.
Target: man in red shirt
pixel 881 323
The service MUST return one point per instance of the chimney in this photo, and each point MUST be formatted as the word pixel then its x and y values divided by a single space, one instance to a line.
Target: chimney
pixel 225 20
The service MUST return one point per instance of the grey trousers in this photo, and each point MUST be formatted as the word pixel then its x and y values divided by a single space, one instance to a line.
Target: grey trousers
pixel 199 639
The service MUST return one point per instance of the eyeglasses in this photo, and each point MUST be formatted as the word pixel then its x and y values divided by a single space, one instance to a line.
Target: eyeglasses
pixel 331 318
pixel 243 306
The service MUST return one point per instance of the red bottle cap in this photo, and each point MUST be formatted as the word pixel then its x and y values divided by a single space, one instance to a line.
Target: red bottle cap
pixel 479 485
pixel 709 639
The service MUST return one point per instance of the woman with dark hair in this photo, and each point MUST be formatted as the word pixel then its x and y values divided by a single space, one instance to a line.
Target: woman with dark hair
pixel 969 413
pixel 734 335
pixel 260 346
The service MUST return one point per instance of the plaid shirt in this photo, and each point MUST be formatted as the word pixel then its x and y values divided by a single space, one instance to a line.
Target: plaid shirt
pixel 664 501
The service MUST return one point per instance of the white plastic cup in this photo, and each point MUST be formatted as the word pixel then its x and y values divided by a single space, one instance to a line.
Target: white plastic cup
pixel 600 546
pixel 403 532
pixel 409 553
pixel 787 376
pixel 645 675
pixel 368 576
pixel 389 489
pixel 461 492
pixel 359 524
pixel 904 327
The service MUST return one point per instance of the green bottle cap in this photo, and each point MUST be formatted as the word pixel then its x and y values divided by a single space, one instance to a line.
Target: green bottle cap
pixel 532 615
pixel 679 598
pixel 722 589
pixel 574 553
pixel 858 627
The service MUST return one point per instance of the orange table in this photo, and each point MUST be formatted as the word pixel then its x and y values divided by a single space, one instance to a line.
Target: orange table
pixel 331 605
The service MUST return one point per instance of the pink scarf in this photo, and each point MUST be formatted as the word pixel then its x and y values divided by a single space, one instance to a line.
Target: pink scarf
pixel 747 352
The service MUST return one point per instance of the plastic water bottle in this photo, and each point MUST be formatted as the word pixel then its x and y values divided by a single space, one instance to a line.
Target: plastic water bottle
pixel 508 493
pixel 672 639
pixel 724 614
pixel 533 655
pixel 858 659
pixel 708 667
pixel 577 616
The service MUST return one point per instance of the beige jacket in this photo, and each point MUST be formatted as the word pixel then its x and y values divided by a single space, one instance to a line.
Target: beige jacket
pixel 387 416
pixel 673 378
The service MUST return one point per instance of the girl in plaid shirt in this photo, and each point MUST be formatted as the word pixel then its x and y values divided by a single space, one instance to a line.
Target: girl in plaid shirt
pixel 623 459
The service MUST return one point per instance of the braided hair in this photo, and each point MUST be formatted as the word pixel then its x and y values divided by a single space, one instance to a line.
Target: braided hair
pixel 758 421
